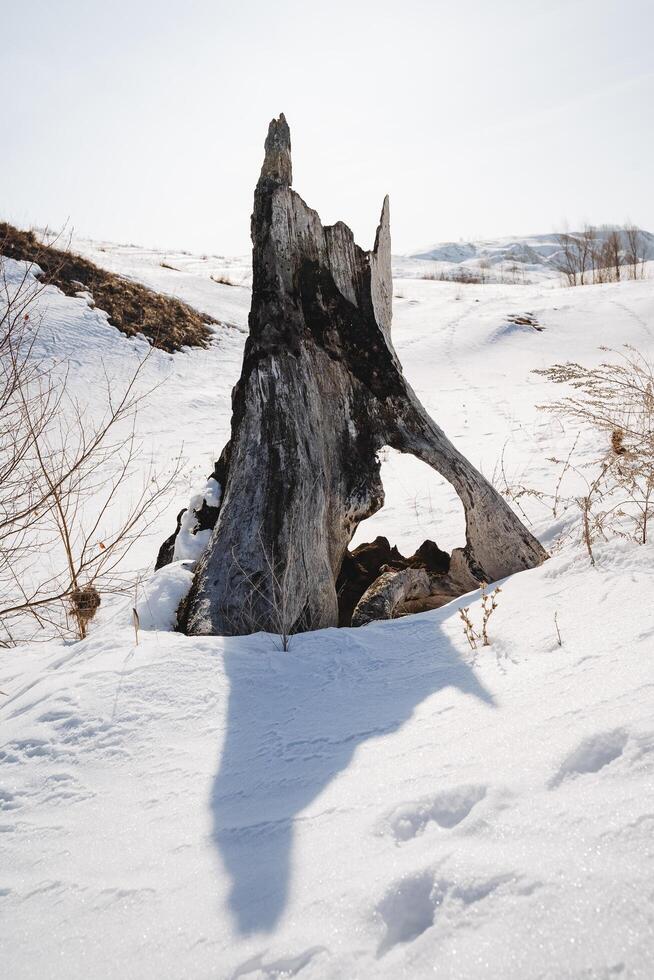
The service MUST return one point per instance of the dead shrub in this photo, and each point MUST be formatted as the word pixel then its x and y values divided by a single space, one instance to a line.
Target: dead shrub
pixel 84 602
pixel 63 533
pixel 613 403
pixel 489 604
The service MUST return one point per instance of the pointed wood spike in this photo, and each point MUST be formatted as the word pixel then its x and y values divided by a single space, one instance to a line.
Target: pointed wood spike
pixel 381 285
pixel 277 161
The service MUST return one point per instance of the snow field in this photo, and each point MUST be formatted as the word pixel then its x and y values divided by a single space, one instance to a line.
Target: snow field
pixel 382 802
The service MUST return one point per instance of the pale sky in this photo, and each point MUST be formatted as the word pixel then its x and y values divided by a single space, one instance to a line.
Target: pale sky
pixel 143 120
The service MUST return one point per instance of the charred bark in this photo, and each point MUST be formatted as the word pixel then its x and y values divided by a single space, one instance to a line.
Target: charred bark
pixel 321 392
pixel 167 549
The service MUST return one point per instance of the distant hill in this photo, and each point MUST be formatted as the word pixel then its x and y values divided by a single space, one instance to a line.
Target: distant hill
pixel 512 259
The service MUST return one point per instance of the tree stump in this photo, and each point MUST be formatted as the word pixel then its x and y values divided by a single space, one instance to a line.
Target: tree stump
pixel 321 392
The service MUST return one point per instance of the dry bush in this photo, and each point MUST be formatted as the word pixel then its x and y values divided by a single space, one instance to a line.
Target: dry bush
pixel 84 603
pixel 517 491
pixel 568 259
pixel 462 275
pixel 489 604
pixel 587 257
pixel 635 251
pixel 469 630
pixel 515 274
pixel 601 255
pixel 616 401
pixel 62 539
pixel 613 404
pixel 613 254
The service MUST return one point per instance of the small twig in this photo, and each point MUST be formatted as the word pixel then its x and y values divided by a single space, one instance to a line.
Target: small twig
pixel 558 632
pixel 137 624
pixel 468 628
pixel 566 467
pixel 489 605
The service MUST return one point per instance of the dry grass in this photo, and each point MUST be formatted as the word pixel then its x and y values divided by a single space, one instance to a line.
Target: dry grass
pixel 465 276
pixel 613 403
pixel 615 400
pixel 488 607
pixel 132 308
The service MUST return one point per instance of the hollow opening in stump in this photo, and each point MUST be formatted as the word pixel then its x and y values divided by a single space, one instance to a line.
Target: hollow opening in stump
pixel 431 513
pixel 419 503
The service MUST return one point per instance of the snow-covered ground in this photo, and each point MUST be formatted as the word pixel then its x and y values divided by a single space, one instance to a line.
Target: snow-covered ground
pixel 382 802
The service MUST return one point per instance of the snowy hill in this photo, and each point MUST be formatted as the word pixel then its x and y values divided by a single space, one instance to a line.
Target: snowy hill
pixel 380 802
pixel 510 260
pixel 536 250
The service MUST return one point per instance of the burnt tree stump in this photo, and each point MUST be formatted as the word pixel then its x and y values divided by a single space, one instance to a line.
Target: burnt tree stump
pixel 321 392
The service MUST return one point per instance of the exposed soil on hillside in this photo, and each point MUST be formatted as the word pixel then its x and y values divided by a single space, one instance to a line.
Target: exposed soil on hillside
pixel 133 308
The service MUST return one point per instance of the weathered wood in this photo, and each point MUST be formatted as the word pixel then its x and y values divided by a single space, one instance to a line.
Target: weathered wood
pixel 321 392
pixel 390 591
pixel 362 566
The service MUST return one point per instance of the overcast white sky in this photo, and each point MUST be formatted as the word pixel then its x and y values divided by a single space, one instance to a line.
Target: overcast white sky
pixel 144 121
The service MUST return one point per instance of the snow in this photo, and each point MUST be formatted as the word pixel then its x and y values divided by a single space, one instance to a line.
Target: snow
pixel 533 258
pixel 162 592
pixel 190 542
pixel 374 803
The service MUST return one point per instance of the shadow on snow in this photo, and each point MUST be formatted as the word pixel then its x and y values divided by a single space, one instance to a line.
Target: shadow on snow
pixel 294 721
